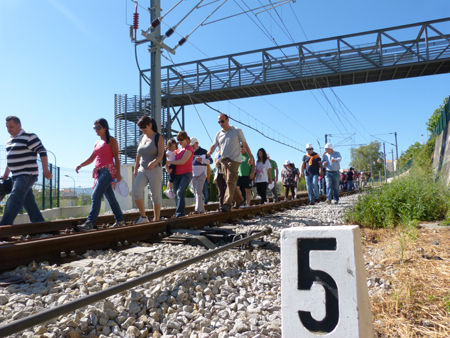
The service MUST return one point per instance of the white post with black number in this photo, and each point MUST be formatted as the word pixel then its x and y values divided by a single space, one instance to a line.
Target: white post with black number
pixel 323 283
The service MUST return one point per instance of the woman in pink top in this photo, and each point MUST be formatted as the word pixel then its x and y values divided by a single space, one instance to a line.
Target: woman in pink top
pixel 183 172
pixel 107 168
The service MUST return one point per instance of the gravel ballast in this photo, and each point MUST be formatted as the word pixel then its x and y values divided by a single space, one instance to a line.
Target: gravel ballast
pixel 234 294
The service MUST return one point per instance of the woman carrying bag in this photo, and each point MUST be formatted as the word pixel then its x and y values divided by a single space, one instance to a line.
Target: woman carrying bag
pixel 107 170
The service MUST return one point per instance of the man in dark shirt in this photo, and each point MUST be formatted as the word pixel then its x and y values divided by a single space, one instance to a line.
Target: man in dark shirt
pixel 312 168
pixel 350 179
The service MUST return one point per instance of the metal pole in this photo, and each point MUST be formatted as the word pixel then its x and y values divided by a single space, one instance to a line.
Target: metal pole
pixel 384 155
pixel 22 324
pixel 58 185
pixel 50 195
pixel 393 166
pixel 371 171
pixel 396 147
pixel 326 138
pixel 155 64
pixel 43 191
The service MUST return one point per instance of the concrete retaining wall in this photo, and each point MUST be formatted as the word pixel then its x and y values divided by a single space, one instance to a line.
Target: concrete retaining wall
pixel 441 155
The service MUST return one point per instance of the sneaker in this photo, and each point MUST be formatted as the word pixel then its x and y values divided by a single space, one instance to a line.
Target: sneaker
pixel 117 224
pixel 328 202
pixel 245 206
pixel 226 208
pixel 142 220
pixel 196 212
pixel 88 226
pixel 333 202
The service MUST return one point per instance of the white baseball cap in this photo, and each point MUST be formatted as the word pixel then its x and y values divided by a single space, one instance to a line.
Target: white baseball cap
pixel 193 141
pixel 309 145
pixel 328 146
pixel 287 162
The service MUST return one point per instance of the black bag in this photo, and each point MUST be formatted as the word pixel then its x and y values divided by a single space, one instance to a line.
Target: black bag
pixel 164 159
pixel 5 187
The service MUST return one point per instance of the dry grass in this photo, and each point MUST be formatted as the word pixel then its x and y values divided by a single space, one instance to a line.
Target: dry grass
pixel 409 291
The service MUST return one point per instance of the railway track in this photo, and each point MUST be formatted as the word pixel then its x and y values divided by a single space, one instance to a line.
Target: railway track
pixel 65 244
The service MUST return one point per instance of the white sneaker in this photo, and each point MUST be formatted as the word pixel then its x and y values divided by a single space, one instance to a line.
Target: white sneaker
pixel 142 220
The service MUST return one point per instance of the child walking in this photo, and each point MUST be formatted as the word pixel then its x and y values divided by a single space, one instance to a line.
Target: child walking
pixel 171 147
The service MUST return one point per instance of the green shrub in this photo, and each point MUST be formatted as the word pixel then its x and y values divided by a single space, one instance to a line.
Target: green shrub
pixel 416 197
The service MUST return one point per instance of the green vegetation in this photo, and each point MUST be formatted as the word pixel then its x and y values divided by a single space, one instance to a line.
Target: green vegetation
pixel 433 120
pixel 361 157
pixel 417 196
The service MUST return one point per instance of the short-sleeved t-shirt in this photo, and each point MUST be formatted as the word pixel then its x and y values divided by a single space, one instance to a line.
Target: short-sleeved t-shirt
pixel 261 172
pixel 314 168
pixel 273 166
pixel 230 143
pixel 187 166
pixel 350 176
pixel 245 169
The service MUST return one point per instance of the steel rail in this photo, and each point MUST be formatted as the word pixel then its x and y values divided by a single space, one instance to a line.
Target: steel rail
pixel 58 248
pixel 59 225
pixel 41 317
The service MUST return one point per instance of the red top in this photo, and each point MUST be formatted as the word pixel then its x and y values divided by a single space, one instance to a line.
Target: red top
pixel 104 155
pixel 187 166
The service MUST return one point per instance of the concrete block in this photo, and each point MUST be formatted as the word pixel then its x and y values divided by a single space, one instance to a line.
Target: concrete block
pixel 323 283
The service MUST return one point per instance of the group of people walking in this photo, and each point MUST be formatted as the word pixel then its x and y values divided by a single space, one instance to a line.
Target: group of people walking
pixel 187 164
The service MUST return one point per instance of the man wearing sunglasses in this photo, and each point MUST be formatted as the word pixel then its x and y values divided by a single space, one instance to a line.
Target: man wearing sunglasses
pixel 229 139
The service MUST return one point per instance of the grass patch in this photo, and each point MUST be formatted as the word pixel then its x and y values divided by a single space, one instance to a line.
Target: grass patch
pixel 416 197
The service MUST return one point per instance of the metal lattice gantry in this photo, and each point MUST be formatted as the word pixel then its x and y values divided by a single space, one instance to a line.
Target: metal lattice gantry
pixel 387 54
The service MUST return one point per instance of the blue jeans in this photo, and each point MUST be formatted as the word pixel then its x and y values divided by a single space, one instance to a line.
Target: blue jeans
pixel 205 192
pixel 103 187
pixel 350 185
pixel 180 184
pixel 332 181
pixel 313 187
pixel 22 196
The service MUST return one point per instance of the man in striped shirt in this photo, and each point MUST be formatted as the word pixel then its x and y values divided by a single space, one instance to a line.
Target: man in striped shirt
pixel 21 160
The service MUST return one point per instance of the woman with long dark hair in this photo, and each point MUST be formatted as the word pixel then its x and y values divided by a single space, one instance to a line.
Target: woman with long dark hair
pixel 148 167
pixel 107 169
pixel 263 176
pixel 183 171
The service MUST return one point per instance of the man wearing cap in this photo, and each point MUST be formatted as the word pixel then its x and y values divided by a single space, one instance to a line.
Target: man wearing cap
pixel 274 173
pixel 199 170
pixel 312 168
pixel 229 140
pixel 331 160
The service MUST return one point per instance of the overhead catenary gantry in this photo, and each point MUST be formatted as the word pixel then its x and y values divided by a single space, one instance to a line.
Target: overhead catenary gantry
pixel 378 55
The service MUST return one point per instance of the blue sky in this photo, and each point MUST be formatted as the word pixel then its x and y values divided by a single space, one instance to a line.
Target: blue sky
pixel 63 61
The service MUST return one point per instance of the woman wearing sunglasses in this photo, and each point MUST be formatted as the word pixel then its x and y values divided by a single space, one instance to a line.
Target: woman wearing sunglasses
pixel 148 167
pixel 183 172
pixel 107 168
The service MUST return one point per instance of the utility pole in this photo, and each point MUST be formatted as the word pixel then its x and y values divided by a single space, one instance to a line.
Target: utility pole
pixel 393 166
pixel 155 62
pixel 326 138
pixel 371 169
pixel 384 155
pixel 396 146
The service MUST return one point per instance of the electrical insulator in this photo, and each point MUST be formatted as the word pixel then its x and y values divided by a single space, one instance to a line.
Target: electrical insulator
pixel 182 41
pixel 136 21
pixel 169 32
pixel 155 23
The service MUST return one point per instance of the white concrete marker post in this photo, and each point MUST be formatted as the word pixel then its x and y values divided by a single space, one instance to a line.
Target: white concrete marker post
pixel 323 283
